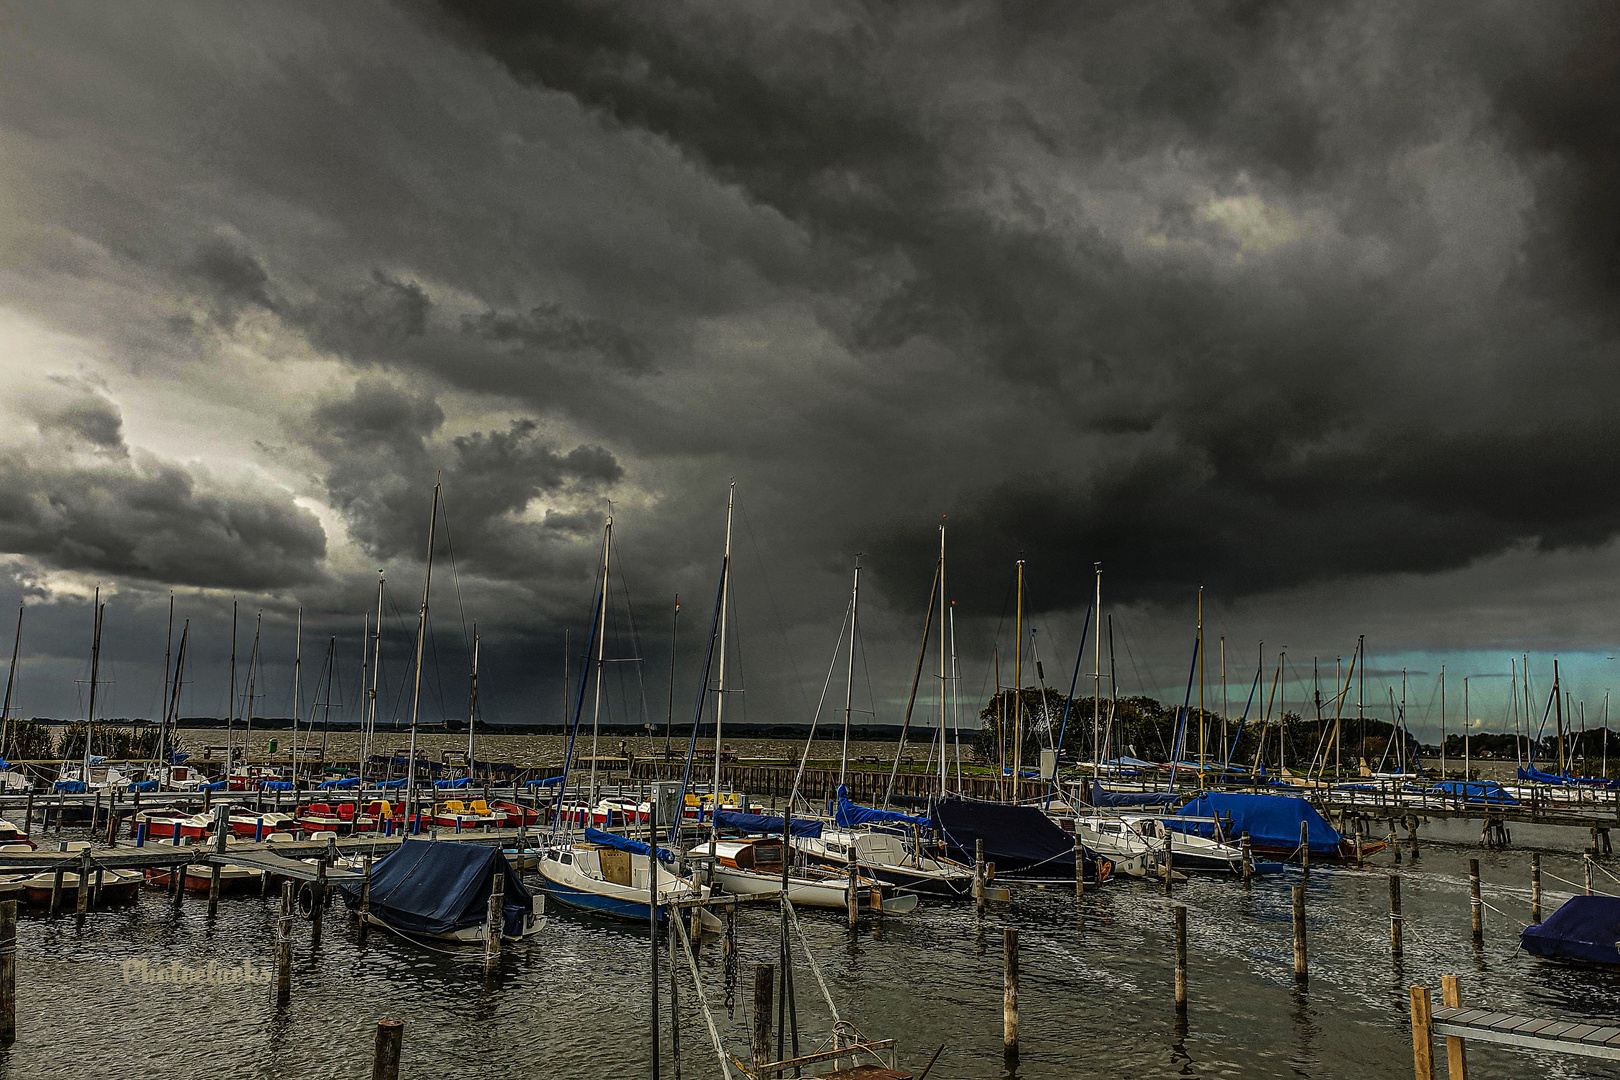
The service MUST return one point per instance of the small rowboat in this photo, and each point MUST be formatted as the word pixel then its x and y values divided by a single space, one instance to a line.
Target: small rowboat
pixel 10 834
pixel 199 876
pixel 117 887
pixel 514 816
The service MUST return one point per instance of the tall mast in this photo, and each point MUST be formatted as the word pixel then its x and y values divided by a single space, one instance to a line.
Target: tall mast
pixel 1096 686
pixel 1202 734
pixel 173 715
pixel 1443 719
pixel 1466 756
pixel 326 717
pixel 168 649
pixel 1361 696
pixel 956 681
pixel 11 679
pixel 230 706
pixel 720 697
pixel 942 651
pixel 601 649
pixel 253 672
pixel 1223 698
pixel 1558 716
pixel 1018 689
pixel 95 669
pixel 472 704
pixel 370 731
pixel 298 697
pixel 849 681
pixel 421 637
pixel 674 632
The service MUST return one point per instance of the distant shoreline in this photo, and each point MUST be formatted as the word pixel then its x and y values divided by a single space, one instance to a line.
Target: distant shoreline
pixel 857 732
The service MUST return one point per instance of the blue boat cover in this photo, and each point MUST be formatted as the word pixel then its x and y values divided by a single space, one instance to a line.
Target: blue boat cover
pixel 217 785
pixel 549 781
pixel 72 787
pixel 177 757
pixel 465 781
pixel 1473 791
pixel 766 823
pixel 144 785
pixel 849 813
pixel 399 783
pixel 339 784
pixel 432 887
pixel 624 843
pixel 1272 821
pixel 1101 796
pixel 1585 930
pixel 1020 840
pixel 1536 775
pixel 276 785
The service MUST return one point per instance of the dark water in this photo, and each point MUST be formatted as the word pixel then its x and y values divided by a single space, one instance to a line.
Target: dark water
pixel 572 1001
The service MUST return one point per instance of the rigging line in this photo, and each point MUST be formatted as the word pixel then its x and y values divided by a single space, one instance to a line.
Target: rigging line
pixel 455 576
pixel 816 717
pixel 770 594
pixel 1001 623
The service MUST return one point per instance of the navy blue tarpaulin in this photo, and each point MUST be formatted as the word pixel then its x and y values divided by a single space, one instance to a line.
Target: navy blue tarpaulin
pixel 624 843
pixel 1473 791
pixel 1585 930
pixel 1101 796
pixel 1272 821
pixel 1020 840
pixel 1535 775
pixel 849 814
pixel 426 887
pixel 765 823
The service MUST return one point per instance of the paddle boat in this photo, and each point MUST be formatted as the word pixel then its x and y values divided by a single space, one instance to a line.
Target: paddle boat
pixel 458 816
pixel 167 823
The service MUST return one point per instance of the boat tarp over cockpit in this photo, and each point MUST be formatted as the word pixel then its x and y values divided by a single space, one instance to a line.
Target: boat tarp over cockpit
pixel 1585 930
pixel 440 887
pixel 1272 821
pixel 766 824
pixel 624 843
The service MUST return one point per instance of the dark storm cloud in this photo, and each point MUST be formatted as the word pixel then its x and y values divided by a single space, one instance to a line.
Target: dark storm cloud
pixel 80 499
pixel 382 451
pixel 548 328
pixel 1306 354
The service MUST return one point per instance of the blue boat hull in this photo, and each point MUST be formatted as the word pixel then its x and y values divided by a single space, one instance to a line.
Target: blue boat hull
pixel 608 906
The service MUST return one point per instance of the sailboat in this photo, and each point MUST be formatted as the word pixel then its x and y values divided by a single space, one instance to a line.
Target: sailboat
pixel 602 873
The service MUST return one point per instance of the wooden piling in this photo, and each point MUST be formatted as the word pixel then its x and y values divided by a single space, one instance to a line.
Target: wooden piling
pixel 978 877
pixel 1476 909
pixel 1358 848
pixel 8 972
pixel 1411 835
pixel 496 920
pixel 854 896
pixel 1305 846
pixel 1588 861
pixel 28 815
pixel 1395 915
pixel 1456 1055
pixel 362 921
pixel 1169 870
pixel 764 981
pixel 213 890
pixel 1079 862
pixel 1422 1034
pixel 56 891
pixel 1180 912
pixel 284 946
pixel 1301 965
pixel 1535 886
pixel 385 1057
pixel 84 881
pixel 317 911
pixel 1009 1000
pixel 1247 857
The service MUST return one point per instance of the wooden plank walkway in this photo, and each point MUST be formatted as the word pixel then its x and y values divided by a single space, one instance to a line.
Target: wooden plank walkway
pixel 1563 1037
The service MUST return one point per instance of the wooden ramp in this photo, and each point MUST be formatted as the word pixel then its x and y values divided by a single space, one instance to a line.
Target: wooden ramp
pixel 1564 1037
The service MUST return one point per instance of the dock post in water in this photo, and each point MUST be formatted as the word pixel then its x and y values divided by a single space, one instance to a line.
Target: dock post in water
pixel 1535 886
pixel 1422 1034
pixel 56 891
pixel 385 1058
pixel 1305 847
pixel 1180 912
pixel 978 877
pixel 854 891
pixel 1411 835
pixel 764 982
pixel 1009 999
pixel 1079 864
pixel 1588 860
pixel 284 931
pixel 8 972
pixel 317 910
pixel 84 881
pixel 1395 915
pixel 497 905
pixel 1358 846
pixel 1301 964
pixel 213 890
pixel 28 815
pixel 362 917
pixel 1456 1055
pixel 1476 910
pixel 1248 857
pixel 1169 871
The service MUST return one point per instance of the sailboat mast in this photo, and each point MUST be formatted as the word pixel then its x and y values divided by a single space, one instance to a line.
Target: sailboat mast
pixel 472 704
pixel 1443 719
pixel 1558 716
pixel 95 669
pixel 1096 684
pixel 253 671
pixel 720 696
pixel 230 705
pixel 1018 689
pixel 1202 733
pixel 370 732
pixel 173 715
pixel 168 650
pixel 674 640
pixel 956 682
pixel 601 651
pixel 11 679
pixel 1466 756
pixel 849 681
pixel 421 637
pixel 298 701
pixel 942 650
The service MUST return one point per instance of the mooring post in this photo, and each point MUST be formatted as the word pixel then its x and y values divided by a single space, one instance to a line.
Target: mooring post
pixel 1180 912
pixel 1395 915
pixel 28 815
pixel 8 972
pixel 854 896
pixel 56 890
pixel 1248 858
pixel 1301 968
pixel 1169 871
pixel 362 917
pixel 497 914
pixel 764 982
pixel 978 877
pixel 177 880
pixel 1422 1034
pixel 1411 835
pixel 1009 1000
pixel 385 1058
pixel 1535 886
pixel 84 881
pixel 1588 861
pixel 1079 862
pixel 213 889
pixel 317 911
pixel 1475 908
pixel 284 946
pixel 1358 846
pixel 1456 1056
pixel 1305 846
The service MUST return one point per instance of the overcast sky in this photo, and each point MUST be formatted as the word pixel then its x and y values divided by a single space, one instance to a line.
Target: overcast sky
pixel 1313 304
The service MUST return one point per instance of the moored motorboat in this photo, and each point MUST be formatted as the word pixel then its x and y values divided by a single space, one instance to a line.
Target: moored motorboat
pixel 609 875
pixel 752 867
pixel 896 861
pixel 440 891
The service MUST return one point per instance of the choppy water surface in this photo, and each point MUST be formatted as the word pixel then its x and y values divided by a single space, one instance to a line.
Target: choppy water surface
pixel 573 1000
